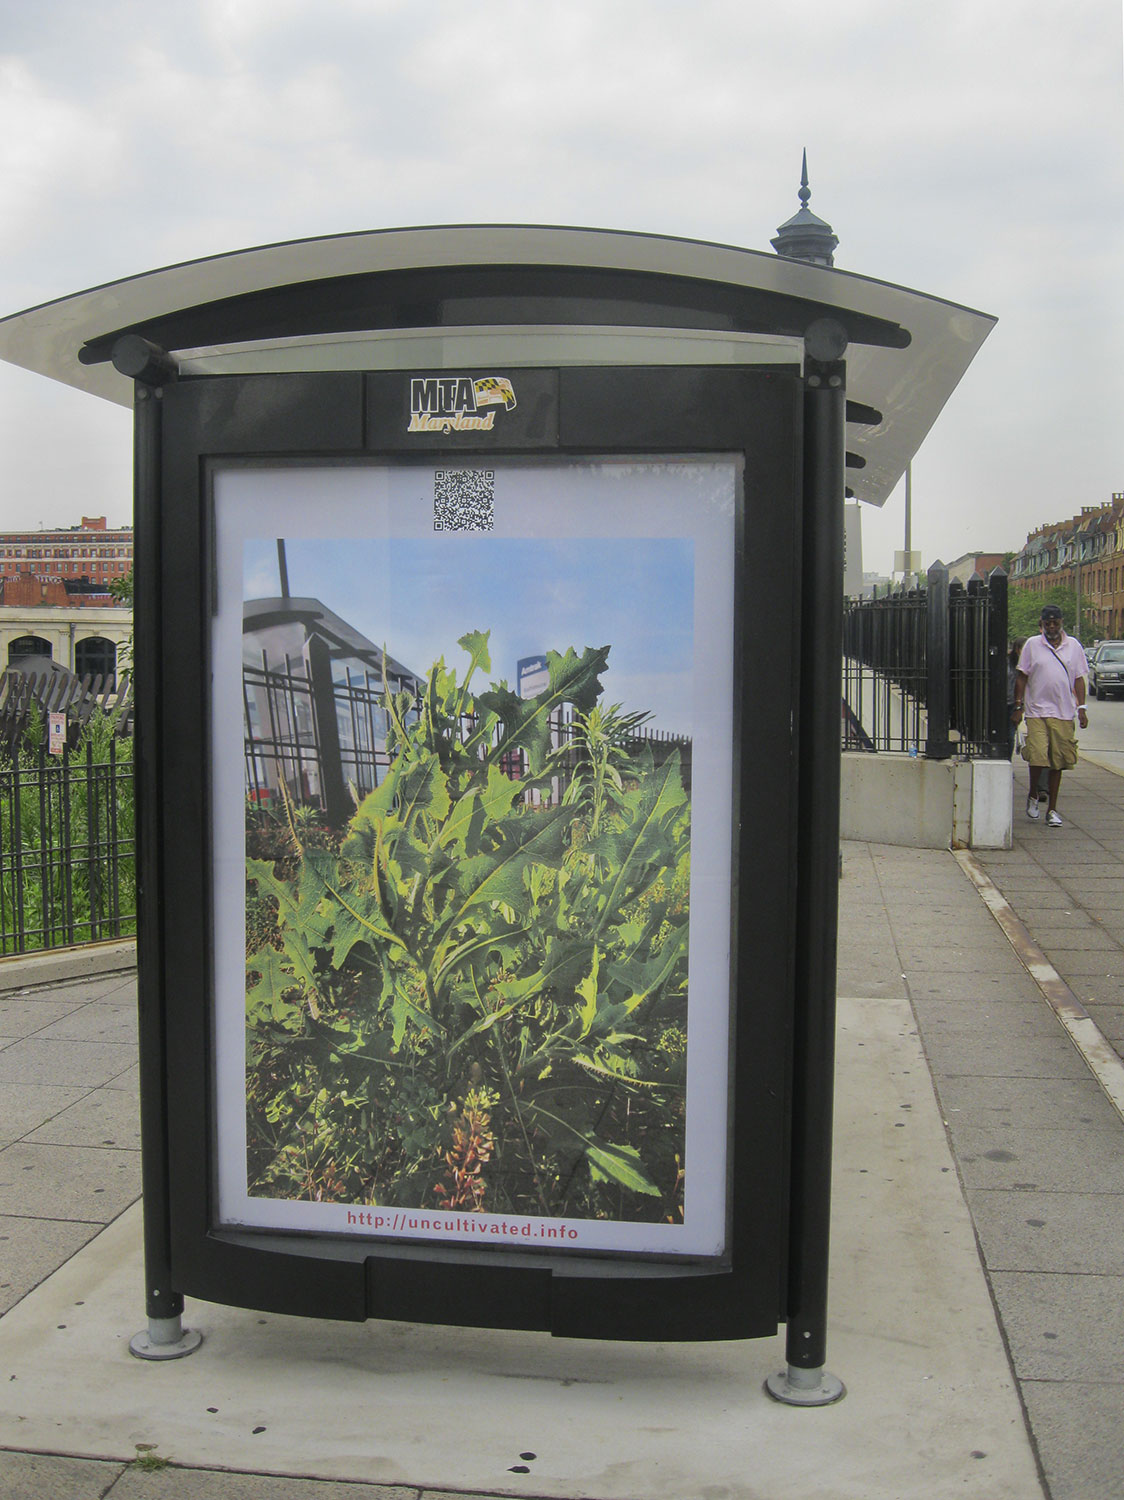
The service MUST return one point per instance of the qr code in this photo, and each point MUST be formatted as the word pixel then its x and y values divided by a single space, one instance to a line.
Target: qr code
pixel 463 499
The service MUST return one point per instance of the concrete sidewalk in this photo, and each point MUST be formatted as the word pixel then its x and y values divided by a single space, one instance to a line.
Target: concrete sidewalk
pixel 977 1285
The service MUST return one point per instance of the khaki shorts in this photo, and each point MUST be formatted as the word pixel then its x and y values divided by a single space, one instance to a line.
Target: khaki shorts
pixel 1050 742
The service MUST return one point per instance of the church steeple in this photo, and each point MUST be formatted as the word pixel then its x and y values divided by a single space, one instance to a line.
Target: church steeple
pixel 806 236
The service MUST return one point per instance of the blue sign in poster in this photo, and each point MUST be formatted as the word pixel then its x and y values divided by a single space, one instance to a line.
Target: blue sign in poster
pixel 472 780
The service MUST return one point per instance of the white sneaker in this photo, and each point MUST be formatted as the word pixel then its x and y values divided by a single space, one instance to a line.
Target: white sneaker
pixel 1032 807
pixel 1052 820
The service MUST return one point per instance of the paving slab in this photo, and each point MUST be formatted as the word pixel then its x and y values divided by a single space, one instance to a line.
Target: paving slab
pixel 982 989
pixel 1051 1160
pixel 1076 1233
pixel 1026 1056
pixel 26 1016
pixel 1057 1325
pixel 947 959
pixel 24 1106
pixel 103 1117
pixel 70 1182
pixel 1080 1436
pixel 1081 930
pixel 34 1060
pixel 1058 1104
pixel 1028 1016
pixel 1088 963
pixel 107 1020
pixel 31 1250
pixel 36 1476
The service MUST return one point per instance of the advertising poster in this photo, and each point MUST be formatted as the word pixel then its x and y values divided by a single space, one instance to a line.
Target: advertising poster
pixel 472 751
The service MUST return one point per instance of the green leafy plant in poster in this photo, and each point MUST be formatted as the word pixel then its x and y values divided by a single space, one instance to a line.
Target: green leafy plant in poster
pixel 467 998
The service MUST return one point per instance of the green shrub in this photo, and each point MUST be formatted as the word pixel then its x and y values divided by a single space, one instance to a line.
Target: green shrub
pixel 476 1001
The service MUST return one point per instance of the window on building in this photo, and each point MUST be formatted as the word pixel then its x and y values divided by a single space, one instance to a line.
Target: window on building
pixel 28 645
pixel 96 657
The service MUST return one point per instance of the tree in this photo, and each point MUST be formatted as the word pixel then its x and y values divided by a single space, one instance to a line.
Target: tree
pixel 1025 605
pixel 121 589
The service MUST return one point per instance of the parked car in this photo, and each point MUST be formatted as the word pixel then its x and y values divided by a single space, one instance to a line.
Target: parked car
pixel 1106 669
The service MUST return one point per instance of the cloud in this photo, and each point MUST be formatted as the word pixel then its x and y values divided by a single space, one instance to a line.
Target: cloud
pixel 50 150
pixel 969 151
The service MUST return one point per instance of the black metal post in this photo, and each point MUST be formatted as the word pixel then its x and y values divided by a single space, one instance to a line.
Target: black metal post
pixel 937 743
pixel 806 1382
pixel 998 713
pixel 336 803
pixel 164 1336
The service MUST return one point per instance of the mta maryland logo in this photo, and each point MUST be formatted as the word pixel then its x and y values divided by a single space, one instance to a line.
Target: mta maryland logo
pixel 452 403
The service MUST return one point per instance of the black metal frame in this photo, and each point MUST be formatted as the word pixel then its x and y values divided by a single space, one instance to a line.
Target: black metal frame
pixel 935 656
pixel 787 617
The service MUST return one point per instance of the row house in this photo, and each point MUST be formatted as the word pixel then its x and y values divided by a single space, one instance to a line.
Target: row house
pixel 1086 554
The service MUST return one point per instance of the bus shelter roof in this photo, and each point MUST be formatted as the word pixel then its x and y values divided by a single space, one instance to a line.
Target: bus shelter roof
pixel 457 296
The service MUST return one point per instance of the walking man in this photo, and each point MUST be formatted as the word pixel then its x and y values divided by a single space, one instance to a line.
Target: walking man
pixel 1050 689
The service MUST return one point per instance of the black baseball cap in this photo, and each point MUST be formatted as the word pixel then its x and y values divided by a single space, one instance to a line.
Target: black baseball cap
pixel 1050 612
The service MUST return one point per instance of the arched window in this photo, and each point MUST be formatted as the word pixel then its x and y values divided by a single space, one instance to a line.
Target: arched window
pixel 28 645
pixel 95 657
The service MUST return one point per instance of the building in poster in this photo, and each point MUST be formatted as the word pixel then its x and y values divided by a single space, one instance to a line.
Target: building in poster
pixel 313 691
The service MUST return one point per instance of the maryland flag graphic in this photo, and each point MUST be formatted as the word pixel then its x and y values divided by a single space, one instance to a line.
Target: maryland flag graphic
pixel 492 389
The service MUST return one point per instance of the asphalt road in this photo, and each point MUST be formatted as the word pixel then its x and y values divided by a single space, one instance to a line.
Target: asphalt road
pixel 1103 741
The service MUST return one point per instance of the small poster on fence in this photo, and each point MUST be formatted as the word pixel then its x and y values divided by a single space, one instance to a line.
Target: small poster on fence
pixel 56 733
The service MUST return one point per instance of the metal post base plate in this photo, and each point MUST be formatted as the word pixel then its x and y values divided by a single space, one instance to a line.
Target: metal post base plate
pixel 165 1338
pixel 796 1387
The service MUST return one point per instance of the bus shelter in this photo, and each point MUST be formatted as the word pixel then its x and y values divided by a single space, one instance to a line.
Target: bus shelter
pixel 488 621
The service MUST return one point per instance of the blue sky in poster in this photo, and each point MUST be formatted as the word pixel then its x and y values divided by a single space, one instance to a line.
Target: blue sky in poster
pixel 418 596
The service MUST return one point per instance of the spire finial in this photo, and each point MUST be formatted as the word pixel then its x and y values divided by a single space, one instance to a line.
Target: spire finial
pixel 806 236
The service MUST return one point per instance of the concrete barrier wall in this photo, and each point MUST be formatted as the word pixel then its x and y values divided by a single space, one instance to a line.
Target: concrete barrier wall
pixel 890 798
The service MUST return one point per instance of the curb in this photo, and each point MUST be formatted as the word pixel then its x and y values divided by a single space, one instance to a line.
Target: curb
pixel 1097 758
pixel 58 965
pixel 1099 1055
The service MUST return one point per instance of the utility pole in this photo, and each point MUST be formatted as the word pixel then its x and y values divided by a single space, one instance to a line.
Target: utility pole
pixel 908 509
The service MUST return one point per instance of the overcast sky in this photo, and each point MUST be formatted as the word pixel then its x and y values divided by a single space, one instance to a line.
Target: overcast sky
pixel 970 149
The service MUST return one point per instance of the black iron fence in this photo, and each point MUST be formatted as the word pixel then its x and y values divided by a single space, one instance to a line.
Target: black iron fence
pixel 925 671
pixel 67 847
pixel 324 740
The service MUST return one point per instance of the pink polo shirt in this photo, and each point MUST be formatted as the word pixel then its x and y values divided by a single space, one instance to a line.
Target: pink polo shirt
pixel 1050 676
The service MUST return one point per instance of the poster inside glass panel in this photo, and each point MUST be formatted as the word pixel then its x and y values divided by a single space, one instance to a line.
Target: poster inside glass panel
pixel 472 774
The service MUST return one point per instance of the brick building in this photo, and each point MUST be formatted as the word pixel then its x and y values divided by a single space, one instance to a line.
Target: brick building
pixel 55 604
pixel 82 556
pixel 962 569
pixel 1086 554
